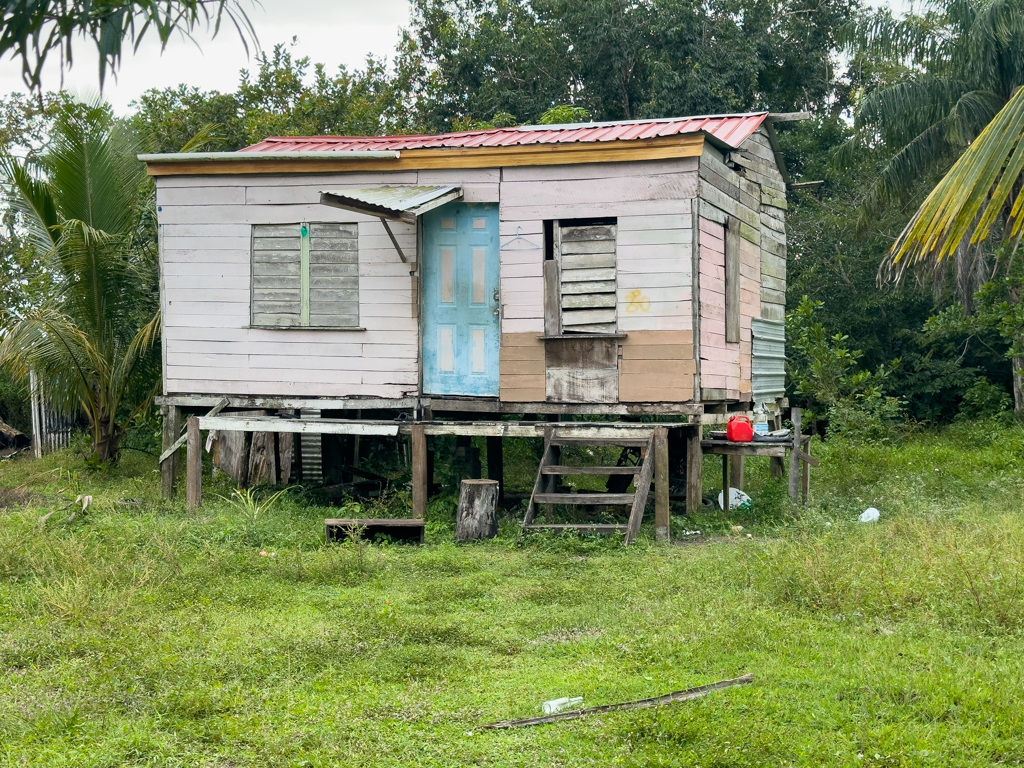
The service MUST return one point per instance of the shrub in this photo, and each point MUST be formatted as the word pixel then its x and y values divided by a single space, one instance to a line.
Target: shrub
pixel 984 400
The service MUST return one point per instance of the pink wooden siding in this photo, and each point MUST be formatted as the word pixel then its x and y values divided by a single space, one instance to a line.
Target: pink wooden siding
pixel 719 360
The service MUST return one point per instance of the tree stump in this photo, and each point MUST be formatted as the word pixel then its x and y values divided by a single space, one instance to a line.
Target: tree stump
pixel 477 517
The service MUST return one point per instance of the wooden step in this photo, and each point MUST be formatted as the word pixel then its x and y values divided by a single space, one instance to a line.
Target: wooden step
pixel 625 442
pixel 581 527
pixel 583 498
pixel 558 469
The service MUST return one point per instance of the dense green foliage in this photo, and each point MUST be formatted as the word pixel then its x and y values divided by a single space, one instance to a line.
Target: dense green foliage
pixel 139 634
pixel 85 205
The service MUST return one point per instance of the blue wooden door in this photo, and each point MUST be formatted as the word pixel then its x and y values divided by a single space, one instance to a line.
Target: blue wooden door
pixel 460 300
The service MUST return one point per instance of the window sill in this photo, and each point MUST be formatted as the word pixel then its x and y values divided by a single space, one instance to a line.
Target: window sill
pixel 584 336
pixel 306 327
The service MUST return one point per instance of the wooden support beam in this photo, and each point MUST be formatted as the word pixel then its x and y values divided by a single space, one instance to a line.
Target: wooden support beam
pixel 805 480
pixel 736 472
pixel 496 465
pixel 776 467
pixel 552 299
pixel 419 472
pixel 794 456
pixel 725 481
pixel 193 465
pixel 633 433
pixel 786 117
pixel 661 484
pixel 732 281
pixel 171 430
pixel 173 448
pixel 694 472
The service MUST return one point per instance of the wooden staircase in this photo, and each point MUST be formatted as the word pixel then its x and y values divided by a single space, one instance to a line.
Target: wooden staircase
pixel 545 491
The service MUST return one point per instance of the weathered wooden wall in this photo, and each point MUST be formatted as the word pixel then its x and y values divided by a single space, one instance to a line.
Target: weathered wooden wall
pixel 205 229
pixel 652 203
pixel 742 193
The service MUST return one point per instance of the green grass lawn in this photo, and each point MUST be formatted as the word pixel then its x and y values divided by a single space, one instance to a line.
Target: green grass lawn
pixel 138 634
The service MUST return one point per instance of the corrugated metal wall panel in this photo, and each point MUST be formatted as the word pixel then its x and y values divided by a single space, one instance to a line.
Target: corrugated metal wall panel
pixel 312 451
pixel 768 363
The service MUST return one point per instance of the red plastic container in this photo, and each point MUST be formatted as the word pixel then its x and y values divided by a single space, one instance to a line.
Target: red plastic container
pixel 739 430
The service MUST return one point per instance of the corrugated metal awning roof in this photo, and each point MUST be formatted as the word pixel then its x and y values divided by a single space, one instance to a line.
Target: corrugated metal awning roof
pixel 398 203
pixel 727 130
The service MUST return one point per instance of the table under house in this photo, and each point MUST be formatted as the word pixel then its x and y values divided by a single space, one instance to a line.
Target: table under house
pixel 796 448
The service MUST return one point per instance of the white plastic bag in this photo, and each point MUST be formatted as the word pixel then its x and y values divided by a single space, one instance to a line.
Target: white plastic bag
pixel 870 515
pixel 737 498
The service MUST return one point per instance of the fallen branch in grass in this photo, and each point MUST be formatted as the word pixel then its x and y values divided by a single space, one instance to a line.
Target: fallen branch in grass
pixel 657 701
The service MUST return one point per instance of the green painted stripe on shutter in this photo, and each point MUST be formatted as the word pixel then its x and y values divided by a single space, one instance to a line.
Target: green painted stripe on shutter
pixel 304 274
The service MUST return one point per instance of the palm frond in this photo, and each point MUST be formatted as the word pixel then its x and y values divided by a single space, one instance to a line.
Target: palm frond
pixel 93 171
pixel 32 198
pixel 903 111
pixel 886 37
pixel 209 134
pixel 976 189
pixel 49 343
pixel 971 113
pixel 995 42
pixel 900 175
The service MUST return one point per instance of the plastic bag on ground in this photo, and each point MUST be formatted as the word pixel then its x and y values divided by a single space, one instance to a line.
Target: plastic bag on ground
pixel 869 515
pixel 737 498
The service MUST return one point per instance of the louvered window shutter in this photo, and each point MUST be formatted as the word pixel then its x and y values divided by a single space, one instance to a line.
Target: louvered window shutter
pixel 276 275
pixel 305 275
pixel 334 275
pixel 587 278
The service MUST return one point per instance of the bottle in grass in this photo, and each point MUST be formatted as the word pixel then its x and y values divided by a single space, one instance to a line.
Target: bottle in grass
pixel 562 704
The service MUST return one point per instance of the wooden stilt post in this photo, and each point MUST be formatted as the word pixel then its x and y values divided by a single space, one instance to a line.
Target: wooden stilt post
pixel 776 466
pixel 193 465
pixel 736 472
pixel 419 472
pixel 171 431
pixel 661 481
pixel 794 457
pixel 805 479
pixel 694 470
pixel 725 481
pixel 548 481
pixel 496 465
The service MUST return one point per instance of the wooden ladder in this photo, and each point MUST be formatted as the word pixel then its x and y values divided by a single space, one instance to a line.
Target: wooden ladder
pixel 544 490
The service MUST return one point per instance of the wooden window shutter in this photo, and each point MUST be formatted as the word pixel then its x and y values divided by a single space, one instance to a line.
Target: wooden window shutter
pixel 305 275
pixel 334 275
pixel 586 261
pixel 732 280
pixel 276 275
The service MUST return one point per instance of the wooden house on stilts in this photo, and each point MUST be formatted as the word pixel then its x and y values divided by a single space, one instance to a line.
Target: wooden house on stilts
pixel 326 285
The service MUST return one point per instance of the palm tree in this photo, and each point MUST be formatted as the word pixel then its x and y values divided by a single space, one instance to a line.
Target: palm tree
pixel 962 62
pixel 84 203
pixel 982 191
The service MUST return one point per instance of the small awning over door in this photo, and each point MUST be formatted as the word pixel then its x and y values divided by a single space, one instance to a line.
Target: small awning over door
pixel 397 203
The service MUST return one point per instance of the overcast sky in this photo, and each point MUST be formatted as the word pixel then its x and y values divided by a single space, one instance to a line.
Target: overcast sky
pixel 332 32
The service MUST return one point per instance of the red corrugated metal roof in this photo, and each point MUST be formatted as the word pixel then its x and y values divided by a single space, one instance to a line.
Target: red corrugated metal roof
pixel 731 130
